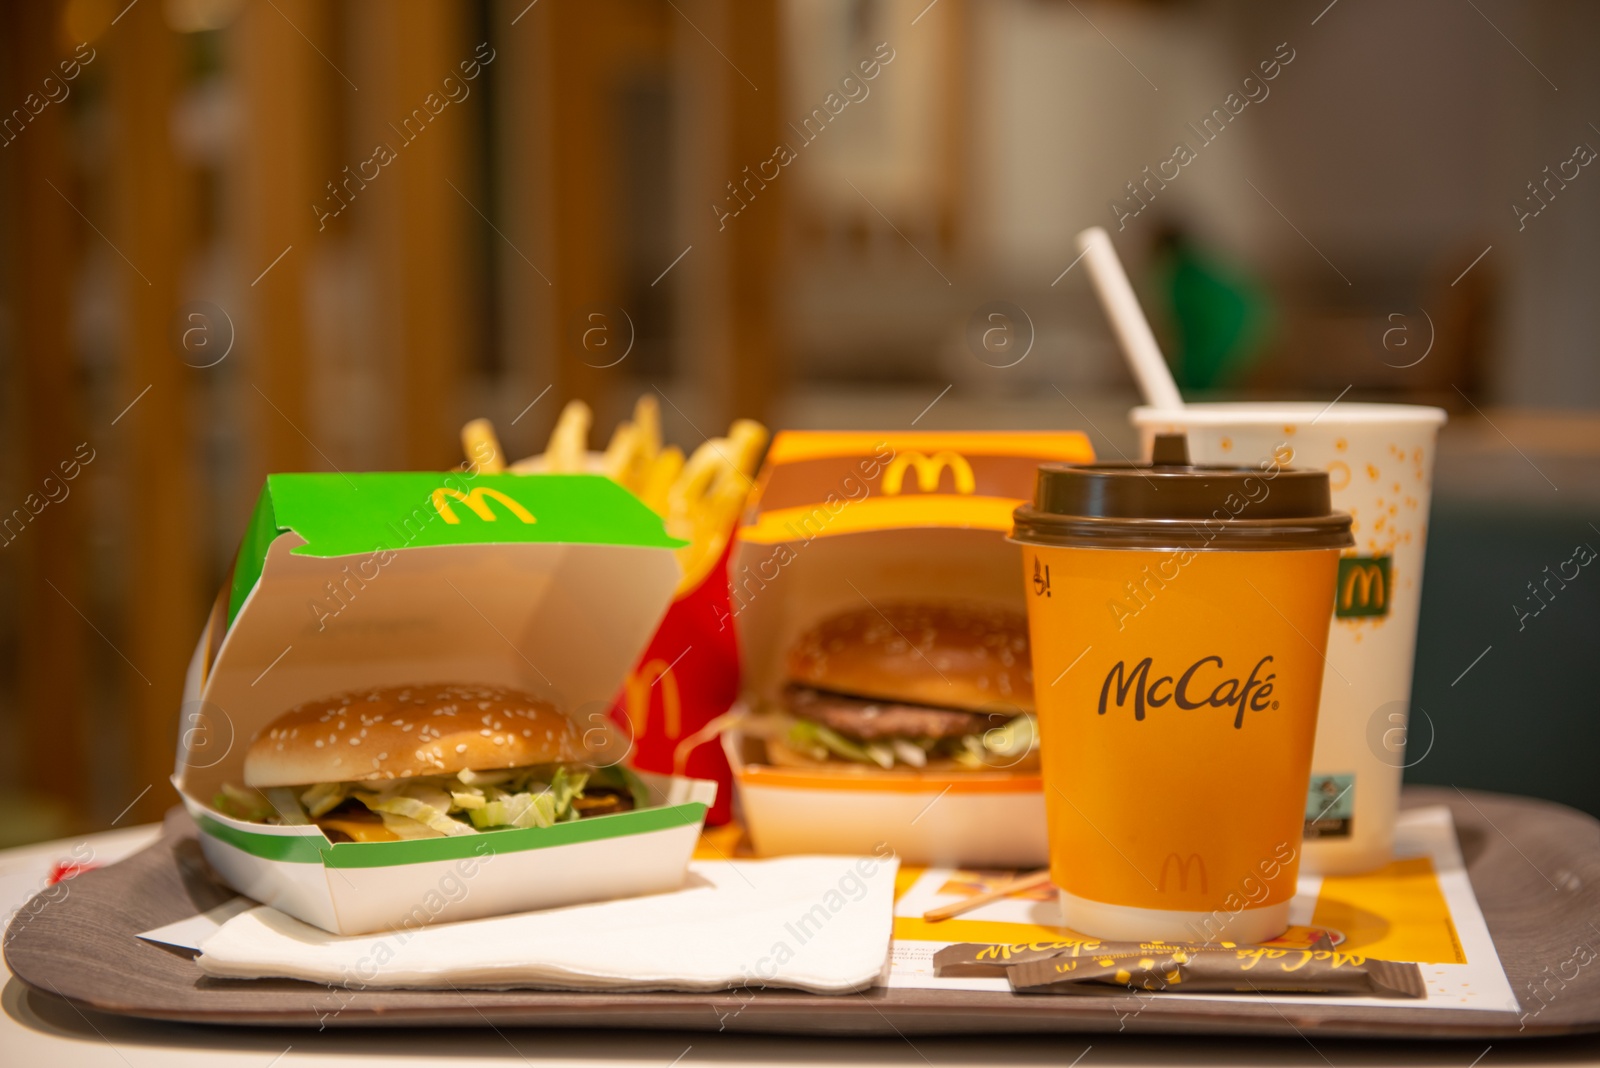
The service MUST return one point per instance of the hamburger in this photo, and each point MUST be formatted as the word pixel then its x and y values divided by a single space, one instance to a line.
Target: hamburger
pixel 907 687
pixel 425 761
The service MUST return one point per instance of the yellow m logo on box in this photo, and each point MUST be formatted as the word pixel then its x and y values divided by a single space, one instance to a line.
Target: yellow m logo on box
pixel 637 695
pixel 1184 867
pixel 476 499
pixel 929 469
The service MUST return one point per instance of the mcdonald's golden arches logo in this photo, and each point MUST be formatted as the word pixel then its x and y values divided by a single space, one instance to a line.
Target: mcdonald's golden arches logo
pixel 636 693
pixel 1365 586
pixel 476 499
pixel 1184 868
pixel 929 470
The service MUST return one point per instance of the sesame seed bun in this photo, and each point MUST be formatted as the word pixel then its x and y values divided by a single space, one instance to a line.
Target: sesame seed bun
pixel 397 732
pixel 947 655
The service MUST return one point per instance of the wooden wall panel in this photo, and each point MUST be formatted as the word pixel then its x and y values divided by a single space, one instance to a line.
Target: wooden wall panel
pixel 956 106
pixel 583 214
pixel 525 256
pixel 413 226
pixel 593 51
pixel 46 553
pixel 153 222
pixel 755 364
pixel 288 101
pixel 728 114
pixel 731 96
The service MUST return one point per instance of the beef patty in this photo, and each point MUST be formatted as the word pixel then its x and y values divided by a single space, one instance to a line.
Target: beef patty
pixel 868 720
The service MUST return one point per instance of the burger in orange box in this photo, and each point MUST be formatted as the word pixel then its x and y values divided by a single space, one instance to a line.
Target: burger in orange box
pixel 888 689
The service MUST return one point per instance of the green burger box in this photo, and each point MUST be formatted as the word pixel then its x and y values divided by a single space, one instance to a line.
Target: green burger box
pixel 550 584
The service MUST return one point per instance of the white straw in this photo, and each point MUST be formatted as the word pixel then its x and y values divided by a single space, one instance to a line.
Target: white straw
pixel 1127 319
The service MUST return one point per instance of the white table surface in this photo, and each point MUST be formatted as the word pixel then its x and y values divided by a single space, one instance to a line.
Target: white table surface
pixel 44 1031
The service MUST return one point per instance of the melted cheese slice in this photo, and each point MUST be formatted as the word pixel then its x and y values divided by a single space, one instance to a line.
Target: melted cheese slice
pixel 359 830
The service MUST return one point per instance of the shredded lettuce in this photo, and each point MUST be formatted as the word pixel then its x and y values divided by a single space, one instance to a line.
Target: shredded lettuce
pixel 286 805
pixel 529 808
pixel 516 810
pixel 622 779
pixel 881 754
pixel 1018 737
pixel 324 797
pixel 433 805
pixel 243 803
pixel 414 808
pixel 809 737
pixel 915 755
pixel 405 827
pixel 998 747
pixel 970 753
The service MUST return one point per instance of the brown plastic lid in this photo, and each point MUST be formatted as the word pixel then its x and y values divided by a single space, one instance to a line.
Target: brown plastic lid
pixel 1170 503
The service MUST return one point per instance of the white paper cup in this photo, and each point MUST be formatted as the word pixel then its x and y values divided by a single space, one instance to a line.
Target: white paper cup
pixel 1379 459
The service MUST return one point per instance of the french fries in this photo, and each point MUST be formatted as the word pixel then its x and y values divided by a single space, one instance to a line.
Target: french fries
pixel 699 498
pixel 618 461
pixel 662 476
pixel 568 450
pixel 647 417
pixel 482 446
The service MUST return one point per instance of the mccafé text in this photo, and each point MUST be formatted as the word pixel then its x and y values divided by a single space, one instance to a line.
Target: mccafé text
pixel 1255 692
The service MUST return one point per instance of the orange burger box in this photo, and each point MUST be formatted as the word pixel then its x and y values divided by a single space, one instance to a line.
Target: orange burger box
pixel 850 521
pixel 547 584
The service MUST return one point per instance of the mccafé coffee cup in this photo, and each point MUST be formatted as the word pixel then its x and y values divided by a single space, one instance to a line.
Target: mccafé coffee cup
pixel 1179 618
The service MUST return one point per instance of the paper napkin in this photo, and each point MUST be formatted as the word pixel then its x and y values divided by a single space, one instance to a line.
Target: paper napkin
pixel 821 924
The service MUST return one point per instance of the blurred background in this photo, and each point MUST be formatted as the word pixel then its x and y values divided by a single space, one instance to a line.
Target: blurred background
pixel 243 236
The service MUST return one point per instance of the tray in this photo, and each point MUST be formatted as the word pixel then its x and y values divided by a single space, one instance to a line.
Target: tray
pixel 1534 865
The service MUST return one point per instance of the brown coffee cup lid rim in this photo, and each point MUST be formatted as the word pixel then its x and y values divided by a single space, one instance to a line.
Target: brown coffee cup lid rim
pixel 1170 503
